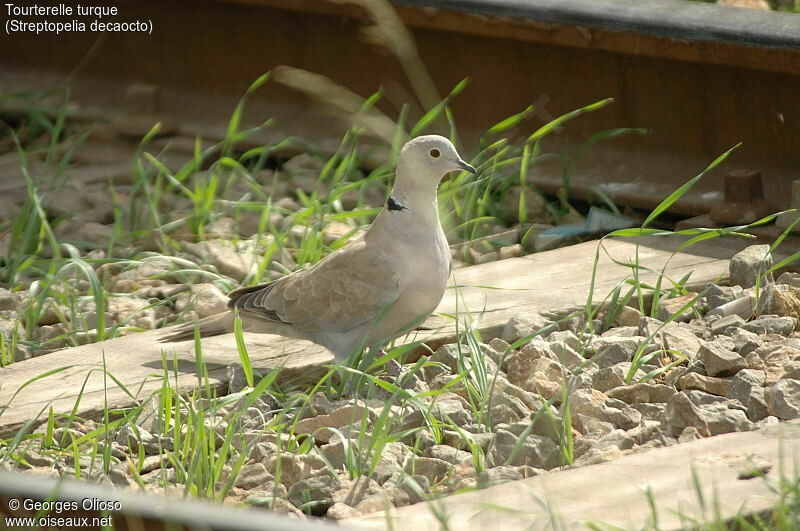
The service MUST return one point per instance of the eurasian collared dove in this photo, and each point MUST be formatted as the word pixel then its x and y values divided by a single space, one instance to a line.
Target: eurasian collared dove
pixel 374 288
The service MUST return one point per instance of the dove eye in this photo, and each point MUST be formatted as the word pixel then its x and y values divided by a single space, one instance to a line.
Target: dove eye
pixel 435 153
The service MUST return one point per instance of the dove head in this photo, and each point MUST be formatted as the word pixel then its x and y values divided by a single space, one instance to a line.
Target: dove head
pixel 431 157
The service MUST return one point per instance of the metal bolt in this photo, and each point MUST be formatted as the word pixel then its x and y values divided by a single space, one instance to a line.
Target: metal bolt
pixel 744 199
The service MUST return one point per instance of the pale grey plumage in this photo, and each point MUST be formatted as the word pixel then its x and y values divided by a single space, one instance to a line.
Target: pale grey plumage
pixel 374 288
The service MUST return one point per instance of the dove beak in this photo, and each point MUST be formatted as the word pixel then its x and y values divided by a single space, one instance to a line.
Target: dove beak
pixel 465 166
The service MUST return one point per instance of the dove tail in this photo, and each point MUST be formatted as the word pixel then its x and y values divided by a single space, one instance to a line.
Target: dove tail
pixel 209 326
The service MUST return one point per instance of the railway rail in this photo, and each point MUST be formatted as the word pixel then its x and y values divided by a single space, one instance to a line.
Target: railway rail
pixel 699 77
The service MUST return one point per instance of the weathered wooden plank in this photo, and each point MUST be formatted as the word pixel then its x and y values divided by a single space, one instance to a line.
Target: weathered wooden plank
pixel 490 292
pixel 497 291
pixel 614 494
pixel 137 510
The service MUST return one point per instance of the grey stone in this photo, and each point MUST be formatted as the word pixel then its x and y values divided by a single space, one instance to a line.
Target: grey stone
pixel 8 327
pixel 518 327
pixel 566 355
pixel 380 501
pixel 744 382
pixel 757 408
pixel 208 300
pixel 648 430
pixel 776 299
pixel 449 354
pixel 581 445
pixel 502 413
pixel 755 362
pixel 619 438
pixel 680 412
pixel 341 511
pixel 629 316
pixel 622 331
pixel 529 471
pixel 790 278
pixel 749 264
pixel 499 474
pixel 592 427
pixel 313 495
pixel 596 456
pixel 540 375
pixel 511 407
pixel 642 392
pixel 413 487
pixel 701 398
pixel 629 343
pixel 536 451
pixel 679 337
pixel 669 308
pixel 648 326
pixel 261 451
pixel 390 460
pixel 449 407
pixel 609 378
pixel 509 251
pixel 7 300
pixel 583 378
pixel 290 468
pixel 498 350
pixel 339 417
pixel 503 387
pixel 771 325
pixel 649 411
pixel 536 348
pixel 612 354
pixel 707 384
pixel 776 359
pixel 234 259
pixel 721 325
pixel 544 425
pixel 436 470
pixel 723 415
pixel 118 476
pixel 152 462
pixel 719 361
pixel 596 404
pixel 456 440
pixel 724 419
pixel 792 370
pixel 744 341
pixel 565 336
pixel 783 399
pixel 448 454
pixel 252 475
pixel 689 433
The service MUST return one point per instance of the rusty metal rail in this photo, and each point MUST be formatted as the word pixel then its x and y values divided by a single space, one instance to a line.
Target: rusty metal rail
pixel 657 18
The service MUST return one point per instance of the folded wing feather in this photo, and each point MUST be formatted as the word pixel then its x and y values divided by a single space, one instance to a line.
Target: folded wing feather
pixel 349 287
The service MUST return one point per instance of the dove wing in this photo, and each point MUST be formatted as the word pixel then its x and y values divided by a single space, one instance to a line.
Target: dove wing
pixel 347 288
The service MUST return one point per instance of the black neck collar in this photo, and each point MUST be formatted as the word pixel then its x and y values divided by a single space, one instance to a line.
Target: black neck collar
pixel 393 204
